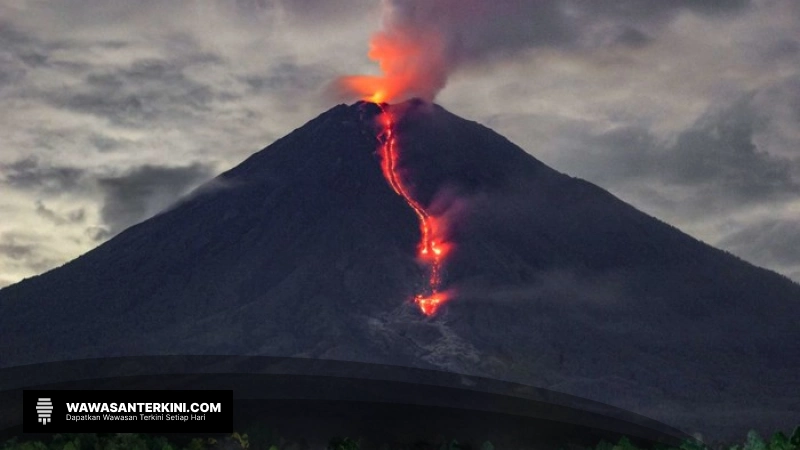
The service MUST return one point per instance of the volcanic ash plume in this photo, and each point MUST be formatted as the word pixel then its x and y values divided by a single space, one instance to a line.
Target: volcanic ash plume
pixel 412 58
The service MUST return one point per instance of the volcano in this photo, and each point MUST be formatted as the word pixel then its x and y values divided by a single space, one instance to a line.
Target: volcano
pixel 306 250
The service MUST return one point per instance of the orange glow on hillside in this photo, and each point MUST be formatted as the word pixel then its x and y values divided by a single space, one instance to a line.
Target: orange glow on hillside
pixel 430 251
pixel 428 305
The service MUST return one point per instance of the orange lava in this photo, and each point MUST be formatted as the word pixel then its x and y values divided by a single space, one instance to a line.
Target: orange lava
pixel 429 251
pixel 428 305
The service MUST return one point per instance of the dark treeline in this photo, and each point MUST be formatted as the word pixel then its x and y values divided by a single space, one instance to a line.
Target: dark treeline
pixel 265 439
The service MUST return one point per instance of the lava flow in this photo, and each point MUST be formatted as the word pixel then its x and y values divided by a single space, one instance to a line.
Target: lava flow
pixel 429 251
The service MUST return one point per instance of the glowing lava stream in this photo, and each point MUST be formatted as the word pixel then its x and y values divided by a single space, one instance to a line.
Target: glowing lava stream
pixel 429 250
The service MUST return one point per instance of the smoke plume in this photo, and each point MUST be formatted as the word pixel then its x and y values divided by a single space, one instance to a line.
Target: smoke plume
pixel 421 42
pixel 412 58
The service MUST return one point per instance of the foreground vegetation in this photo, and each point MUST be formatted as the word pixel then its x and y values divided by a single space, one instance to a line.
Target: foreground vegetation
pixel 259 440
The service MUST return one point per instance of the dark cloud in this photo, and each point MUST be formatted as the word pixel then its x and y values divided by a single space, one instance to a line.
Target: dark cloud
pixel 512 26
pixel 8 75
pixel 480 29
pixel 632 37
pixel 30 173
pixel 98 234
pixel 47 141
pixel 25 51
pixel 774 242
pixel 648 10
pixel 9 248
pixel 715 7
pixel 717 157
pixel 14 55
pixel 23 253
pixel 313 11
pixel 290 76
pixel 143 192
pixel 71 217
pixel 781 49
pixel 104 143
pixel 10 36
pixel 147 91
pixel 720 148
pixel 287 81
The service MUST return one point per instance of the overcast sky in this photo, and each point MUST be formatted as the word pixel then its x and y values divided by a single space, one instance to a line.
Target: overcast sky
pixel 111 109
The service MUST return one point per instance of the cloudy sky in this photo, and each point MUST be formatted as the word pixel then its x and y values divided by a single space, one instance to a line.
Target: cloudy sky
pixel 111 109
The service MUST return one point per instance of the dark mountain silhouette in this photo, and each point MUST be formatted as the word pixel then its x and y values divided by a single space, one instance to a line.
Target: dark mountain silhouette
pixel 305 250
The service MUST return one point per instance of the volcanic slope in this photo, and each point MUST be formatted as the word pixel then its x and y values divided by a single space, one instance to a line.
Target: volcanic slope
pixel 304 249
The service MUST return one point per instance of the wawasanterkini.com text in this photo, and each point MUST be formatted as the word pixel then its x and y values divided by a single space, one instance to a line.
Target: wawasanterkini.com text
pixel 143 407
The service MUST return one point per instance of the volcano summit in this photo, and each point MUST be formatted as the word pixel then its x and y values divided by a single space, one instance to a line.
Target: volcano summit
pixel 306 249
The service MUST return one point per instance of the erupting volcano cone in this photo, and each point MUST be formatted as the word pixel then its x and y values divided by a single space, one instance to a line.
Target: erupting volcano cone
pixel 308 249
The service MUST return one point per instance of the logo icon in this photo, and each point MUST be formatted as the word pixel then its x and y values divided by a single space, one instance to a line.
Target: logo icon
pixel 44 409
